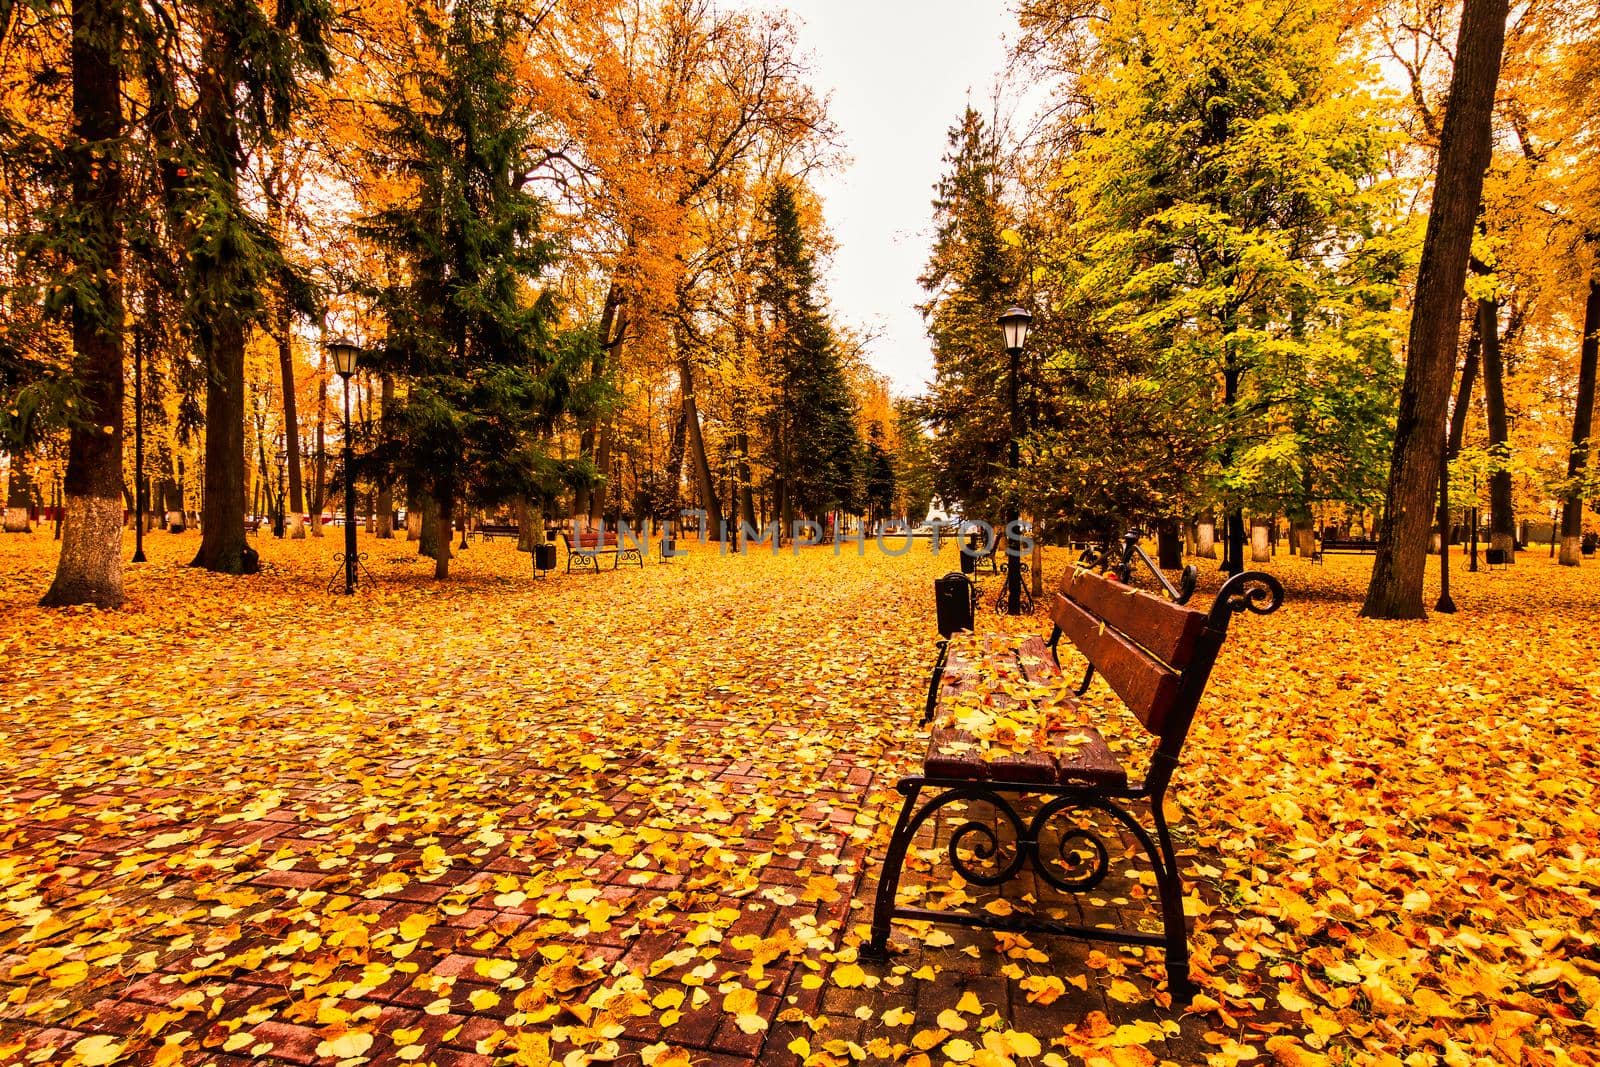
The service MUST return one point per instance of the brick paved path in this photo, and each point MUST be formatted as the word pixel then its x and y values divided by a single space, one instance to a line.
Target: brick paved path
pixel 452 818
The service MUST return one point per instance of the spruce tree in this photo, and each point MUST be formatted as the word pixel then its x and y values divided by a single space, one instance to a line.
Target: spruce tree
pixel 816 440
pixel 485 377
pixel 89 570
pixel 246 77
pixel 970 279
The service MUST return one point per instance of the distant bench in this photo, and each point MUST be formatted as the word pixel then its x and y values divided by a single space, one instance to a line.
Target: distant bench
pixel 490 530
pixel 1335 544
pixel 587 546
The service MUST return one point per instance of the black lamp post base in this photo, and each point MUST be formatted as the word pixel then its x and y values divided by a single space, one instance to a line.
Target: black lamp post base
pixel 343 581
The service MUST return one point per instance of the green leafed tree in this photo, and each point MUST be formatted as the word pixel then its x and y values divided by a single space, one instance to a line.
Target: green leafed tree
pixel 1228 233
pixel 912 462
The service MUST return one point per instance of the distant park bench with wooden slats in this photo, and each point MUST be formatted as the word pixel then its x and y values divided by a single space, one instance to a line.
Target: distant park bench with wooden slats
pixel 1337 544
pixel 587 546
pixel 488 531
pixel 1156 655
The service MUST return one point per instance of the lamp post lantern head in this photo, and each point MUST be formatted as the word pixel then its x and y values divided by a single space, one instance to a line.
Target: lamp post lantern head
pixel 1014 325
pixel 344 352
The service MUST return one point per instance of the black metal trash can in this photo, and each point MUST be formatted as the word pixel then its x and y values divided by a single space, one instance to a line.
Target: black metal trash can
pixel 544 557
pixel 953 598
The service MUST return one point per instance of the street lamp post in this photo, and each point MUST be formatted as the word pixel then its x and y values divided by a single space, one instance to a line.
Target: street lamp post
pixel 138 454
pixel 279 518
pixel 344 354
pixel 1014 327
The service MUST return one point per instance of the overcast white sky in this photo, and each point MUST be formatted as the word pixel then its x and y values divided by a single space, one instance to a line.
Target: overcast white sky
pixel 899 73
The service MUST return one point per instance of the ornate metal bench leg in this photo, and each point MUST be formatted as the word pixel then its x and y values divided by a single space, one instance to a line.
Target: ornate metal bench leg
pixel 933 682
pixel 889 878
pixel 1170 884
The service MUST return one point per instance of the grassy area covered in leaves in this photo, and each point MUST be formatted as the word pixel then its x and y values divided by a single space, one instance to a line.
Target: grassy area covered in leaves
pixel 634 816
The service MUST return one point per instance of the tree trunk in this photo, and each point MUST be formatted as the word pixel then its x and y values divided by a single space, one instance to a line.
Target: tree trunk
pixel 1582 418
pixel 1233 561
pixel 443 526
pixel 89 569
pixel 222 519
pixel 1502 508
pixel 1469 374
pixel 675 449
pixel 1301 531
pixel 602 461
pixel 19 496
pixel 1395 591
pixel 1036 569
pixel 291 425
pixel 1260 541
pixel 697 453
pixel 186 518
pixel 747 504
pixel 530 525
pixel 428 530
pixel 1445 603
pixel 1205 537
pixel 319 464
pixel 581 495
pixel 1169 548
pixel 385 507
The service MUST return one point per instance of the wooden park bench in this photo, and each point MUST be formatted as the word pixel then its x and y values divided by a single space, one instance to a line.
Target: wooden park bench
pixel 587 546
pixel 488 531
pixel 1335 544
pixel 1156 655
pixel 251 525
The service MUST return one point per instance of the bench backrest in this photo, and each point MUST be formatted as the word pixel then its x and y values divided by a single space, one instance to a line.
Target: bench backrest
pixel 1138 643
pixel 590 539
pixel 1155 654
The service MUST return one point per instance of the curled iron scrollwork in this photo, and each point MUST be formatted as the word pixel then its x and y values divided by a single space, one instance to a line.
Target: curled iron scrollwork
pixel 1254 591
pixel 1074 859
pixel 1080 852
pixel 1186 584
pixel 987 848
pixel 1094 558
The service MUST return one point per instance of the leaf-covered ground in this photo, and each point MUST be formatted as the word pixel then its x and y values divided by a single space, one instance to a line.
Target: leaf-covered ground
pixel 638 816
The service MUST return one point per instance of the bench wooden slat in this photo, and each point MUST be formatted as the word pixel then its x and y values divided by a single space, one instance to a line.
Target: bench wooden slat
pixel 1166 630
pixel 1074 757
pixel 591 540
pixel 1079 757
pixel 1037 661
pixel 1148 686
pixel 1083 758
pixel 955 754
